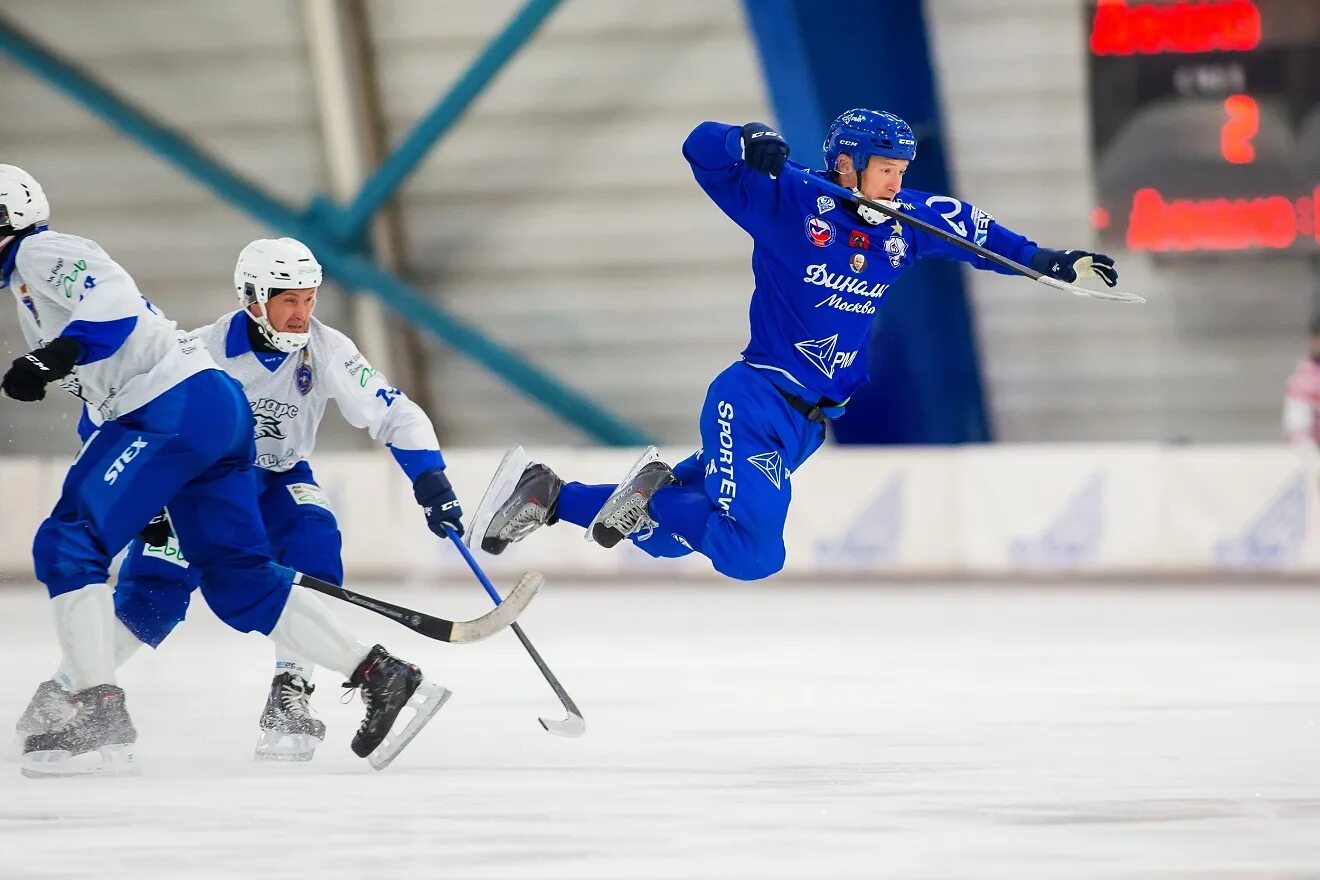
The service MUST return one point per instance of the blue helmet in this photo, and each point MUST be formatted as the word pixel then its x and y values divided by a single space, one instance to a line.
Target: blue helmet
pixel 866 133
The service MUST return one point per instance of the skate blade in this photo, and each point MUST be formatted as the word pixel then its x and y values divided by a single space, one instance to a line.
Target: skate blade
pixel 651 454
pixel 506 476
pixel 425 702
pixel 117 760
pixel 275 746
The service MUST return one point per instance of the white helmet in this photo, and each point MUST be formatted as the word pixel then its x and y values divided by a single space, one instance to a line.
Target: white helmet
pixel 268 266
pixel 22 201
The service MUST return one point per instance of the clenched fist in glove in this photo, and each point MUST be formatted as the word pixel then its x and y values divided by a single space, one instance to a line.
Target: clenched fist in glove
pixel 433 491
pixel 763 149
pixel 1070 265
pixel 29 375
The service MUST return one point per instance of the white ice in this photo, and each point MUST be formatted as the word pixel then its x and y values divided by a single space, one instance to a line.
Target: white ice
pixel 780 731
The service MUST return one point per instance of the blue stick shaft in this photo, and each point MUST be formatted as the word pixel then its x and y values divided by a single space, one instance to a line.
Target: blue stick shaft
pixel 472 564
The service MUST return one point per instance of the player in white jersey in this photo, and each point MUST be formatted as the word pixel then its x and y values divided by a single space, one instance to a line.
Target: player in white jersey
pixel 172 429
pixel 290 365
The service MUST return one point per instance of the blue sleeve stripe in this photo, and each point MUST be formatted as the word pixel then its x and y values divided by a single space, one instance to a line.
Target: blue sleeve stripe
pixel 100 339
pixel 416 462
pixel 85 426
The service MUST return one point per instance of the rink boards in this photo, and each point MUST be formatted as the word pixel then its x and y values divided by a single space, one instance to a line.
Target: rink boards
pixel 975 511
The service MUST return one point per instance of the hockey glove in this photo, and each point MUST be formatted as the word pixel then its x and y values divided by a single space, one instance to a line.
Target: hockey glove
pixel 1071 265
pixel 763 149
pixel 29 375
pixel 433 491
pixel 158 532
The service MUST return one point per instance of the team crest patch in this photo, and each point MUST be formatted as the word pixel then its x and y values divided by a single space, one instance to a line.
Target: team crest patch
pixel 896 247
pixel 824 204
pixel 857 262
pixel 820 231
pixel 302 377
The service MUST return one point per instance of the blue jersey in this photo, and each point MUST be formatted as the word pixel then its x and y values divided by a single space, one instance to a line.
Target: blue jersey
pixel 820 269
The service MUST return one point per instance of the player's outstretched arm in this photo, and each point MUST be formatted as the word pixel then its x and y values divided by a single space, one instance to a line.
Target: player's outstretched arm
pixel 739 168
pixel 368 400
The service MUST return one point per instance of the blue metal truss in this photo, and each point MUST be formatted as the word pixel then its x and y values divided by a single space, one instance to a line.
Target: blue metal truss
pixel 330 231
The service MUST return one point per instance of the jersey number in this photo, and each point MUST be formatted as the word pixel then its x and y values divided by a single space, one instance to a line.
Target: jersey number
pixel 388 396
pixel 949 217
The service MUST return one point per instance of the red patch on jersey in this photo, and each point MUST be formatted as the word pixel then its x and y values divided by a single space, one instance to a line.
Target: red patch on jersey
pixel 859 239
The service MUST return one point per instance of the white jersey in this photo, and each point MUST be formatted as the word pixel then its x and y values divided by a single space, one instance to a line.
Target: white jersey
pixel 66 285
pixel 288 397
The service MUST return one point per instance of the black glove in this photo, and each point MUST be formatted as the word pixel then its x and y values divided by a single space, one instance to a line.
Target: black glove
pixel 158 532
pixel 763 149
pixel 433 491
pixel 29 375
pixel 1070 265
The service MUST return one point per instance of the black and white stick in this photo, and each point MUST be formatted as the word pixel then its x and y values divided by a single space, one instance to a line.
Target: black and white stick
pixel 574 724
pixel 888 210
pixel 459 632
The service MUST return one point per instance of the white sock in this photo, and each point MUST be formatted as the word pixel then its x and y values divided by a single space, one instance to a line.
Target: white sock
pixel 84 622
pixel 288 660
pixel 125 646
pixel 307 629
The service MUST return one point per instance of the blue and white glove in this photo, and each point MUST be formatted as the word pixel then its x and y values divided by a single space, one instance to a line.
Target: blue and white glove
pixel 1073 264
pixel 434 492
pixel 763 149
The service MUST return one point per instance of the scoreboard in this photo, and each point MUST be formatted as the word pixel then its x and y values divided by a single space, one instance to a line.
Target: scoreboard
pixel 1205 124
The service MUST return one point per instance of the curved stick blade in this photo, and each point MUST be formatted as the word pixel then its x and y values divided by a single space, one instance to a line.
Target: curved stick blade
pixel 501 615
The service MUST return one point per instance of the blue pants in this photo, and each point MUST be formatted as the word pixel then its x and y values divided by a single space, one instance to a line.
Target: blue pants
pixel 156 584
pixel 191 449
pixel 732 496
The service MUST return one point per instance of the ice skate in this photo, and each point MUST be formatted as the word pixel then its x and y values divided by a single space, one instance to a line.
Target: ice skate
pixel 627 511
pixel 289 730
pixel 390 685
pixel 97 740
pixel 48 709
pixel 522 497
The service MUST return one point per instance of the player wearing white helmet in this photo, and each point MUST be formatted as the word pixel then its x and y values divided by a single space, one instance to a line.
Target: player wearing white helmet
pixel 290 364
pixel 170 428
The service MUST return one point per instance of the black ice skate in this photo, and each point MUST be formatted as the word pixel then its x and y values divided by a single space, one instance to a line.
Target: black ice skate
pixel 98 739
pixel 390 685
pixel 522 497
pixel 627 511
pixel 289 730
pixel 49 708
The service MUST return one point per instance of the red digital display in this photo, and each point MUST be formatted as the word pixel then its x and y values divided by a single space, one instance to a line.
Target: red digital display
pixel 1154 28
pixel 1205 124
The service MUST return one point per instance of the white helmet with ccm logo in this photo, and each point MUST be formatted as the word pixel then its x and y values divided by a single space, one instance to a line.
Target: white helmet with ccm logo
pixel 268 267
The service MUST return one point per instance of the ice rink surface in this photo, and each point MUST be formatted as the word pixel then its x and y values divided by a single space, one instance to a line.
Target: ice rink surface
pixel 732 731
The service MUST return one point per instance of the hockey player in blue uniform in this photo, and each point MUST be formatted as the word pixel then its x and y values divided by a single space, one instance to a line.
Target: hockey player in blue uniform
pixel 290 366
pixel 821 270
pixel 171 429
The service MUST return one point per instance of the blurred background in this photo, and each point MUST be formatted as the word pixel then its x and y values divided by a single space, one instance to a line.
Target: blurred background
pixel 497 191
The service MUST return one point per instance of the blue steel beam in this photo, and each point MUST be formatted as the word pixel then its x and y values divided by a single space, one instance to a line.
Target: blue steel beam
pixel 346 267
pixel 378 188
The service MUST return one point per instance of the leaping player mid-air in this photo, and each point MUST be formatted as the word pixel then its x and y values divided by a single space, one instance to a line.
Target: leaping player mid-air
pixel 820 269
